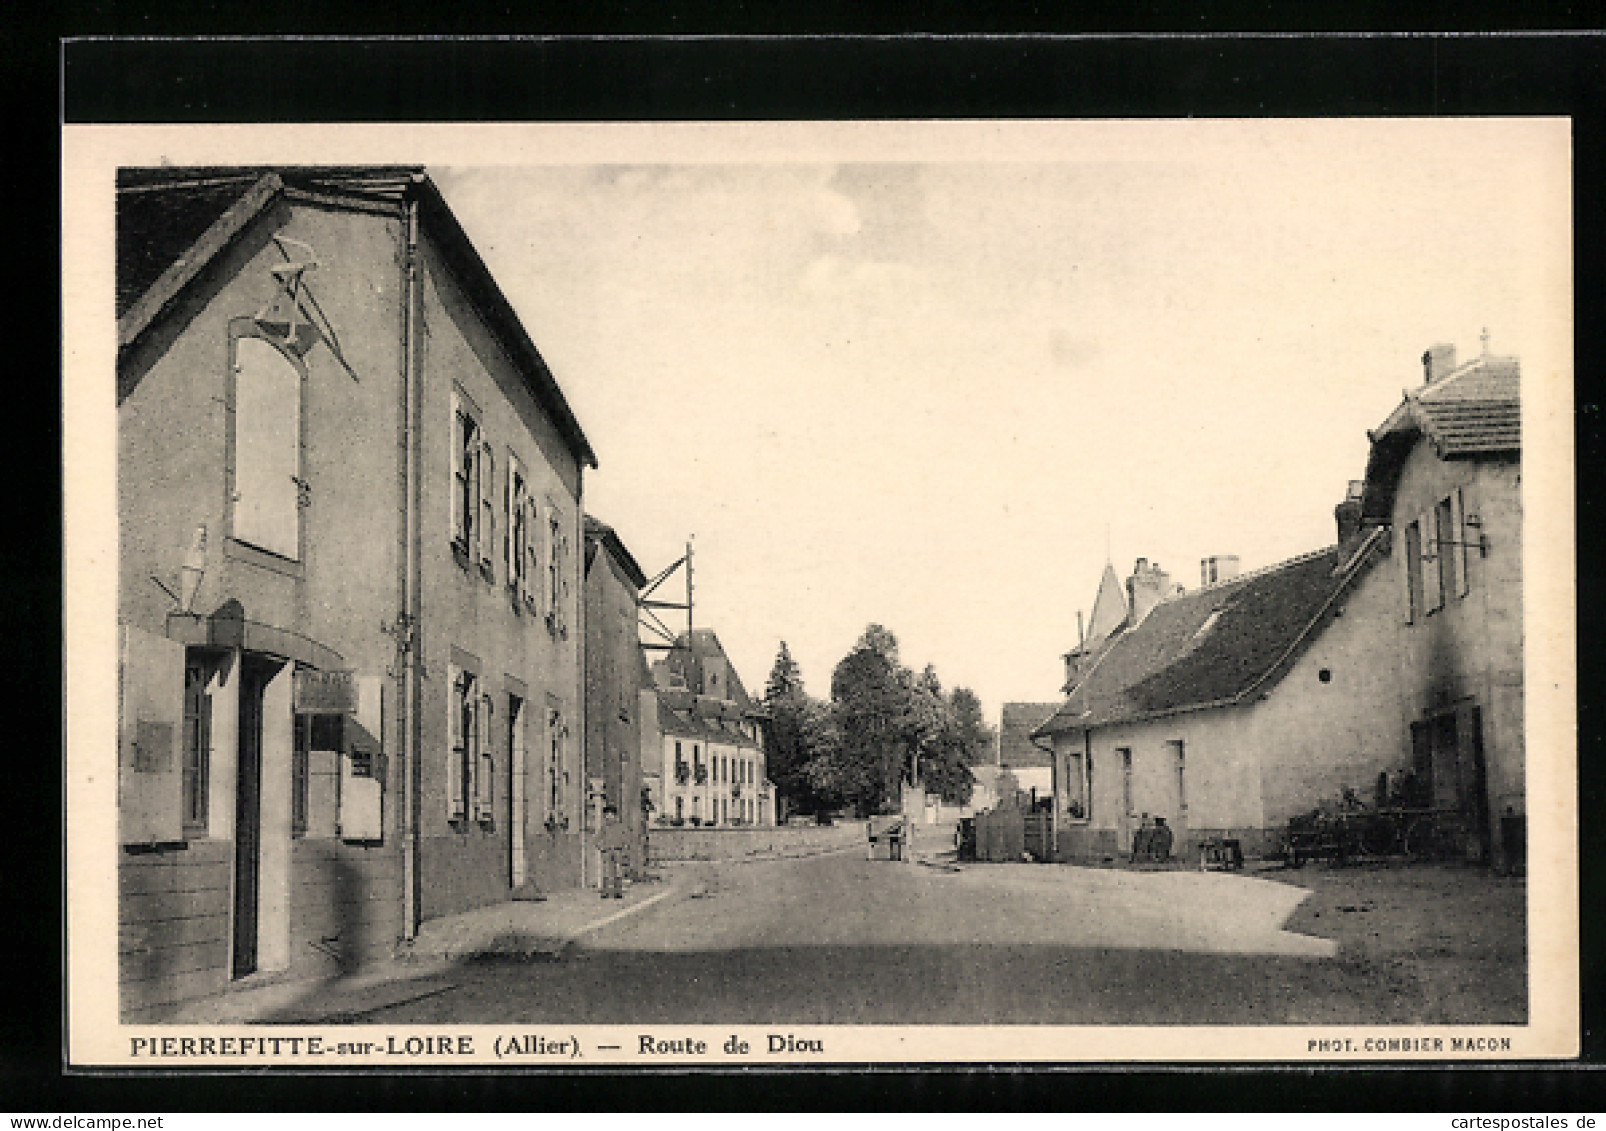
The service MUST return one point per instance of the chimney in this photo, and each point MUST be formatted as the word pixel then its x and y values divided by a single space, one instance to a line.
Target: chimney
pixel 1438 361
pixel 1222 567
pixel 1348 513
pixel 1146 588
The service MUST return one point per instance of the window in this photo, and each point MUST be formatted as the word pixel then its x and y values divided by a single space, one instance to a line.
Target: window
pixel 1413 572
pixel 318 741
pixel 473 515
pixel 300 773
pixel 469 770
pixel 557 774
pixel 1436 558
pixel 557 550
pixel 197 726
pixel 516 536
pixel 268 491
pixel 1075 786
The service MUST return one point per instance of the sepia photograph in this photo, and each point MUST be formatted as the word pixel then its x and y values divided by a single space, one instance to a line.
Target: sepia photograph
pixel 793 593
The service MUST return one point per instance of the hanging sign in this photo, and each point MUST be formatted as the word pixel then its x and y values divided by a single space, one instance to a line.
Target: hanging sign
pixel 324 693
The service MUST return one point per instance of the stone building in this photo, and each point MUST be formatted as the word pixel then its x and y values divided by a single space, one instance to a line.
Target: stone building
pixel 349 503
pixel 617 681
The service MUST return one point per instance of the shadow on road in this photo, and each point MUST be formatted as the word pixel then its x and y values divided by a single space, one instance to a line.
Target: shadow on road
pixel 932 985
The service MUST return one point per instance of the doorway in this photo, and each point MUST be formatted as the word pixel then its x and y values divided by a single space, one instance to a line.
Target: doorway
pixel 516 789
pixel 1127 813
pixel 254 677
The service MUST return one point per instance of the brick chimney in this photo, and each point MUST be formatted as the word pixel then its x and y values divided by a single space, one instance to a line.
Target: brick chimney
pixel 1348 512
pixel 1146 588
pixel 1222 567
pixel 1438 361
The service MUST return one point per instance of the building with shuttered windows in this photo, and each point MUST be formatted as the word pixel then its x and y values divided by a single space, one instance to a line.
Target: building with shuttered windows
pixel 349 499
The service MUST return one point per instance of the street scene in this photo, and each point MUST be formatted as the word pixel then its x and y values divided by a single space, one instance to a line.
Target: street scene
pixel 829 937
pixel 719 591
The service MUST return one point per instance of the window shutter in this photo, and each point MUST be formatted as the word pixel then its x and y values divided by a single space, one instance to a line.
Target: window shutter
pixel 461 470
pixel 486 772
pixel 149 769
pixel 1407 547
pixel 553 572
pixel 564 566
pixel 1458 528
pixel 267 448
pixel 455 746
pixel 510 556
pixel 472 750
pixel 487 497
pixel 1432 591
pixel 362 765
pixel 530 582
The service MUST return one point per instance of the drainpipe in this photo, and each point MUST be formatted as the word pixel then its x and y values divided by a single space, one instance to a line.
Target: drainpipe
pixel 408 567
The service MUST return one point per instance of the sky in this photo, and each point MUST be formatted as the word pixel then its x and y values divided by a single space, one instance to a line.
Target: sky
pixel 938 387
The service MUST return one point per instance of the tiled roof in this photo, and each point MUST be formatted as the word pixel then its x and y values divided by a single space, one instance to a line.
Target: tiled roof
pixel 679 717
pixel 1473 412
pixel 1213 646
pixel 1016 723
pixel 687 662
pixel 1477 408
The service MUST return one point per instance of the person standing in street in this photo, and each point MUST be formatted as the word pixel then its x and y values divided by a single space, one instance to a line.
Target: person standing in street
pixel 611 841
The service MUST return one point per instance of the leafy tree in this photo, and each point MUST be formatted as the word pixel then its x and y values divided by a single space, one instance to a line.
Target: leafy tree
pixel 975 735
pixel 788 742
pixel 887 725
pixel 870 701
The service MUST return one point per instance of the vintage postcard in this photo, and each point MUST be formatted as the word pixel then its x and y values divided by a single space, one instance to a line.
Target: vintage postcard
pixel 770 594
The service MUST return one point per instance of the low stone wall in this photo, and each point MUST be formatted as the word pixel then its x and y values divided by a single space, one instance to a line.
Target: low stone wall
pixel 684 843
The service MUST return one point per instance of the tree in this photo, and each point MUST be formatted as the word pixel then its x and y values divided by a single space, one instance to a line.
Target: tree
pixel 788 744
pixel 975 735
pixel 869 701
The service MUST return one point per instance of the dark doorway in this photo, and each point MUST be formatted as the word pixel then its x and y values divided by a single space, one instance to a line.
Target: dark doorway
pixel 254 676
pixel 1478 801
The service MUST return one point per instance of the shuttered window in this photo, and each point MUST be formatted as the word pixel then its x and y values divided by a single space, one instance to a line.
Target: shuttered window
pixel 462 763
pixel 1458 528
pixel 1449 553
pixel 267 449
pixel 465 478
pixel 1411 561
pixel 1432 592
pixel 197 749
pixel 485 491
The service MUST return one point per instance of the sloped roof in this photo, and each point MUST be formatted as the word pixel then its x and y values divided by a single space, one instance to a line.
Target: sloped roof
pixel 1215 646
pixel 1474 412
pixel 601 534
pixel 686 660
pixel 172 222
pixel 1016 723
pixel 684 715
pixel 1109 607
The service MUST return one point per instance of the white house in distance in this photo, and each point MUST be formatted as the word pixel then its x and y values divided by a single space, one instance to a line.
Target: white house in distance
pixel 710 766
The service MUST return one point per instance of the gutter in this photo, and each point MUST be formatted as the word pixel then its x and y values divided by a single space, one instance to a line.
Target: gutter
pixel 409 568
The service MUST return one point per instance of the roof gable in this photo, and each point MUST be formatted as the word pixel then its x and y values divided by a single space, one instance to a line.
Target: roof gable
pixel 1473 413
pixel 1016 723
pixel 172 222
